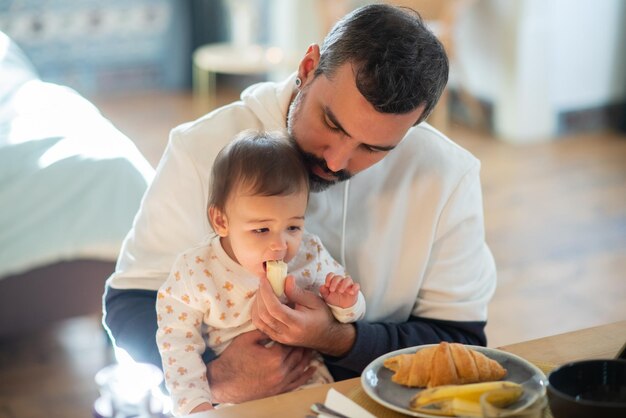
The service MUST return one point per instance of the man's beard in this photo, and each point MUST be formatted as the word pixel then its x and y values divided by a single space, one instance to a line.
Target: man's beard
pixel 317 184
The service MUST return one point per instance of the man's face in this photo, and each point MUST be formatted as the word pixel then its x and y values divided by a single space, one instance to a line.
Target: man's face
pixel 338 131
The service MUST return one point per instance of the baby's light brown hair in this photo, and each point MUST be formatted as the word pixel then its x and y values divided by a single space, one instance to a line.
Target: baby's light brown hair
pixel 257 164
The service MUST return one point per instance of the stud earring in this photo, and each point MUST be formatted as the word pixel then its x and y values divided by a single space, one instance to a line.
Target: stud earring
pixel 298 82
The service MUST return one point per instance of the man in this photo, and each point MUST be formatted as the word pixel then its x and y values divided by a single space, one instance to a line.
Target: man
pixel 408 226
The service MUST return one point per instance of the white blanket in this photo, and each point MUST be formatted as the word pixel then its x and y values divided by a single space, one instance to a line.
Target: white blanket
pixel 70 182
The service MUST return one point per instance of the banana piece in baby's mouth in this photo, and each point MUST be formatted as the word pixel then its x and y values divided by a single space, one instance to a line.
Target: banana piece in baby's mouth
pixel 276 274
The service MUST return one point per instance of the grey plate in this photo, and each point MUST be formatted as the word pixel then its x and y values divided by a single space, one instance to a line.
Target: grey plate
pixel 376 379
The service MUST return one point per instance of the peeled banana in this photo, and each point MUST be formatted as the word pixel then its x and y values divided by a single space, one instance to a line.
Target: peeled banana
pixel 464 400
pixel 276 273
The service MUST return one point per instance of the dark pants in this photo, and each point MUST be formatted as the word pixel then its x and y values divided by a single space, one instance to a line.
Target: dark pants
pixel 130 319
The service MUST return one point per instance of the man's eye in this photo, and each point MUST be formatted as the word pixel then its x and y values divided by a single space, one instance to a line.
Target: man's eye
pixel 330 125
pixel 371 150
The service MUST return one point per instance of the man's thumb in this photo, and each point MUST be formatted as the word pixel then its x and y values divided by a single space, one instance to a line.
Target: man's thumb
pixel 297 294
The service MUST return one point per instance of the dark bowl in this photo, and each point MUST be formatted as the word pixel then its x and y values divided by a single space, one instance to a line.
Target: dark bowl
pixel 588 389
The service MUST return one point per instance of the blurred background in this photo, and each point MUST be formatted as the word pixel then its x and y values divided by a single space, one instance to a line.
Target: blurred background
pixel 528 70
pixel 537 92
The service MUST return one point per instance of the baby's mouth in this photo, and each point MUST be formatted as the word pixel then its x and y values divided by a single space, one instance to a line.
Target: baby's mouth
pixel 265 264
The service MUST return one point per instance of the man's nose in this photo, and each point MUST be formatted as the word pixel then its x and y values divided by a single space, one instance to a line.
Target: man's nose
pixel 338 155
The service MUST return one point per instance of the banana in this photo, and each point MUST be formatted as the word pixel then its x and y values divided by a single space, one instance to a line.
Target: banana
pixel 471 391
pixel 464 400
pixel 504 397
pixel 276 273
pixel 442 408
pixel 455 407
pixel 464 408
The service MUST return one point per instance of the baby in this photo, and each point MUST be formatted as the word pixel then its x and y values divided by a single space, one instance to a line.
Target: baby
pixel 257 202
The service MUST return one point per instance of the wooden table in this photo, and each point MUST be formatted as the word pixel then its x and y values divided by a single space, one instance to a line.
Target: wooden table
pixel 591 343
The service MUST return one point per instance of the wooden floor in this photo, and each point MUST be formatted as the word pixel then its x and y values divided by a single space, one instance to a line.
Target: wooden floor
pixel 555 216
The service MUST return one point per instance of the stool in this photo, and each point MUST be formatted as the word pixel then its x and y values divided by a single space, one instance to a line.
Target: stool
pixel 229 58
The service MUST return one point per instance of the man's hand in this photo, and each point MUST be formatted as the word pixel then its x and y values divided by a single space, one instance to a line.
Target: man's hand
pixel 309 323
pixel 205 406
pixel 248 370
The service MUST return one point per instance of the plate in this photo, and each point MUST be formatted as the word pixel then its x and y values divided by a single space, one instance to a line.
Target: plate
pixel 376 379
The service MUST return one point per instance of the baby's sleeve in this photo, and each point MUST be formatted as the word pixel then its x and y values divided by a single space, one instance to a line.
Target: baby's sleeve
pixel 350 314
pixel 179 337
pixel 324 263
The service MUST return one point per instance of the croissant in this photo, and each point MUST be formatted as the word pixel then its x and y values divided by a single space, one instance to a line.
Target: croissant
pixel 444 364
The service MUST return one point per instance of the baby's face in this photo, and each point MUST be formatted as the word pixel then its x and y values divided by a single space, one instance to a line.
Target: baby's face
pixel 262 228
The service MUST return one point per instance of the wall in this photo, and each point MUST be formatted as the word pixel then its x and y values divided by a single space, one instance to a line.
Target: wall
pixel 103 46
pixel 545 68
pixel 536 61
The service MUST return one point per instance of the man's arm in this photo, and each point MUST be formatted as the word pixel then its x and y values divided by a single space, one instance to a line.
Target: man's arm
pixel 372 340
pixel 130 319
pixel 348 348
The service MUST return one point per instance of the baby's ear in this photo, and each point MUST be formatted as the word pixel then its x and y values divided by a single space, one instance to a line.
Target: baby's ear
pixel 219 221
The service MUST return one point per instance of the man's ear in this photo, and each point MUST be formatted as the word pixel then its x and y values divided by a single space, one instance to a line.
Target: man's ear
pixel 219 221
pixel 309 63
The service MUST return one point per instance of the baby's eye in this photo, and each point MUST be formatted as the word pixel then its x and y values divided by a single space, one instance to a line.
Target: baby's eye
pixel 260 230
pixel 294 228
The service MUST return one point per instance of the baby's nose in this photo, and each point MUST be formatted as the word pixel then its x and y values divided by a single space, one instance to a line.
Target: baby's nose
pixel 278 245
pixel 278 248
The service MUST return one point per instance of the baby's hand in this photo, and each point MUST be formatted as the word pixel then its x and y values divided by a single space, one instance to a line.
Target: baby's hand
pixel 339 290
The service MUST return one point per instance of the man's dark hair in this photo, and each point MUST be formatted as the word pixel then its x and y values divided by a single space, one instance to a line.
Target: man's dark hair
pixel 259 164
pixel 399 63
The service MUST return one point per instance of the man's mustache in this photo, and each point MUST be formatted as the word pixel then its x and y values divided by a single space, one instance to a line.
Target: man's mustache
pixel 311 160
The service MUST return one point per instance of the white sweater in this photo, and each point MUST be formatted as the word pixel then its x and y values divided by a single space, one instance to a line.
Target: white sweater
pixel 413 230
